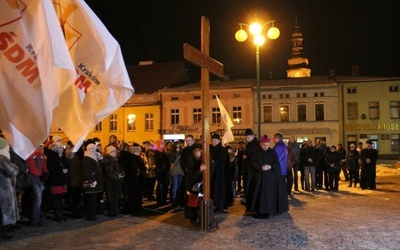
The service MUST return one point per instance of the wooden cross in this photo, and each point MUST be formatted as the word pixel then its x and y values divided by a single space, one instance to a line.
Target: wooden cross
pixel 207 64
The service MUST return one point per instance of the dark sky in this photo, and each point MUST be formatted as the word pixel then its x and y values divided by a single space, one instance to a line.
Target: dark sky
pixel 337 34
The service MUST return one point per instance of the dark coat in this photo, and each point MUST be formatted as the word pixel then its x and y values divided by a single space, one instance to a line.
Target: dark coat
pixel 220 157
pixel 163 165
pixel 368 170
pixel 112 177
pixel 352 159
pixel 127 163
pixel 56 165
pixel 333 158
pixel 91 172
pixel 267 188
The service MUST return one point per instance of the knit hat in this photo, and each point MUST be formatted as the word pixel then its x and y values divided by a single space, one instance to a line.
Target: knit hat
pixel 265 138
pixel 110 149
pixel 248 131
pixel 3 143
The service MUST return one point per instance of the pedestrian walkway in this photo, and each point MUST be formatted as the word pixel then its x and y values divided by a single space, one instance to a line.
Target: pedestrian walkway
pixel 348 219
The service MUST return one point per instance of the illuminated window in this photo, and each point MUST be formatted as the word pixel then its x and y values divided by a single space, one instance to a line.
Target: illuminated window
pixel 237 114
pixel 284 112
pixel 351 90
pixel 131 122
pixel 113 123
pixel 352 110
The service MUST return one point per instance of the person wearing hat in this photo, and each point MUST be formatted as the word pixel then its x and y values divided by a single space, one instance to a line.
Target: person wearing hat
pixel 92 179
pixel 140 166
pixel 251 146
pixel 113 175
pixel 352 157
pixel 264 198
pixel 368 157
pixel 220 157
pixel 59 179
pixel 8 204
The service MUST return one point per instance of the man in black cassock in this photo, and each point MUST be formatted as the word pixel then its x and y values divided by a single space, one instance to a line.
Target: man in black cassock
pixel 265 198
pixel 220 158
pixel 368 156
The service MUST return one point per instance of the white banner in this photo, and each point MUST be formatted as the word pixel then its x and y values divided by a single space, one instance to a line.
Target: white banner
pixel 103 84
pixel 228 135
pixel 35 68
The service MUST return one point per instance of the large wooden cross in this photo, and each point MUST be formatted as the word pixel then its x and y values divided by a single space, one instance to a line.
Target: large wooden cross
pixel 207 64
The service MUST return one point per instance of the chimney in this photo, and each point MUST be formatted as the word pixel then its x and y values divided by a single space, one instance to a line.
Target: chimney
pixel 146 63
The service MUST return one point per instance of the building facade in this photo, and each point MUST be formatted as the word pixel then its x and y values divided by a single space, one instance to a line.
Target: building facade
pixel 371 110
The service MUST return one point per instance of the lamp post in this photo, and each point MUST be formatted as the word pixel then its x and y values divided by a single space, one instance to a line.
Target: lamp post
pixel 256 30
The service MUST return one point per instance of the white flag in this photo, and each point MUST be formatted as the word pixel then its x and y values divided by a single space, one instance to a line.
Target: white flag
pixel 228 135
pixel 35 67
pixel 103 84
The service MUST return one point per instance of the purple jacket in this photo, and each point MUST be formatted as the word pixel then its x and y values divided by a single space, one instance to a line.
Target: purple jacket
pixel 281 151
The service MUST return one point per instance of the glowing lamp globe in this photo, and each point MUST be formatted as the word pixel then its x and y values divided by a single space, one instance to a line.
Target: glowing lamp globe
pixel 255 29
pixel 259 40
pixel 273 33
pixel 241 35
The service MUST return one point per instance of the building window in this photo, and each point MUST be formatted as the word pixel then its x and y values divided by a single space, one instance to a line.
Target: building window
pixel 319 112
pixel 287 95
pixel 174 98
pixel 196 116
pixel 394 143
pixel 284 112
pixel 315 94
pixel 281 96
pixel 374 110
pixel 351 90
pixel 298 95
pixel 149 122
pixel 304 95
pixel 215 97
pixel 216 116
pixel 322 94
pixel 270 96
pixel 267 111
pixel 174 116
pixel 352 110
pixel 394 109
pixel 196 97
pixel 131 122
pixel 394 88
pixel 113 123
pixel 301 112
pixel 99 127
pixel 236 95
pixel 237 114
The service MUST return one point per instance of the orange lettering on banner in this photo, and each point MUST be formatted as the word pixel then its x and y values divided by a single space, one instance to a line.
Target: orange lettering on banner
pixel 15 54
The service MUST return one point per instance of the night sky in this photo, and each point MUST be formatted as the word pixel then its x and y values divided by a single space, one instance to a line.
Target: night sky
pixel 337 34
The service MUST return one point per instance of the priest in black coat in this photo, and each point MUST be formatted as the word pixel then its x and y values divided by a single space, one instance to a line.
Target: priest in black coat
pixel 265 198
pixel 220 158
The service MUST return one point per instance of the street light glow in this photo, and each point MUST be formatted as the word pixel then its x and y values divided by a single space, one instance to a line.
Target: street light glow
pixel 256 30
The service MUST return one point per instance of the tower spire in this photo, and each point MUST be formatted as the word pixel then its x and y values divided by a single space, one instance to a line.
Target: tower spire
pixel 298 61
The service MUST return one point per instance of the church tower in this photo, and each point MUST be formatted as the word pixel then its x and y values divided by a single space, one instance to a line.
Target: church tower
pixel 298 61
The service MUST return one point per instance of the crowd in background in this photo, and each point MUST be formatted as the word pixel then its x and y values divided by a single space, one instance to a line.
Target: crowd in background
pixel 117 178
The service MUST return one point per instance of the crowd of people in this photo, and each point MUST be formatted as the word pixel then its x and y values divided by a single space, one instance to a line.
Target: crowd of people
pixel 118 177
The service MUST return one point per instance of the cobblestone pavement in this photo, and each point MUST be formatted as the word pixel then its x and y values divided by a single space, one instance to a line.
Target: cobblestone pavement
pixel 348 219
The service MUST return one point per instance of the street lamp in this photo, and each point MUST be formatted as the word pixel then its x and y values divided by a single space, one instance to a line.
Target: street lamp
pixel 256 30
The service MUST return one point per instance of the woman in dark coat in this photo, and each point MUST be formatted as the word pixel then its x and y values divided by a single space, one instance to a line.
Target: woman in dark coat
pixel 163 165
pixel 193 176
pixel 265 199
pixel 332 160
pixel 59 179
pixel 113 174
